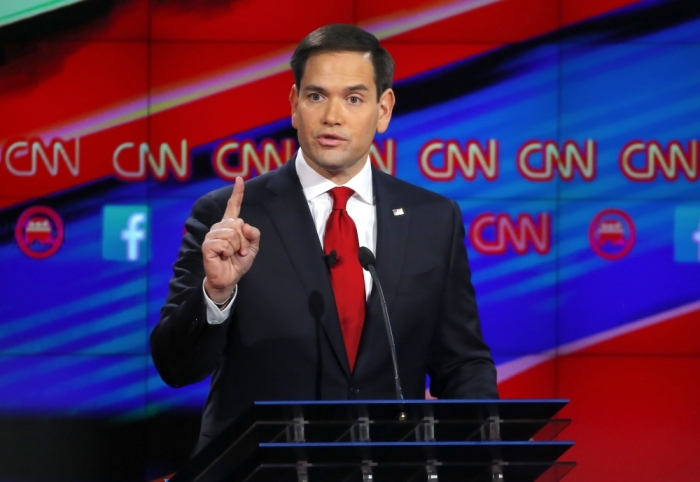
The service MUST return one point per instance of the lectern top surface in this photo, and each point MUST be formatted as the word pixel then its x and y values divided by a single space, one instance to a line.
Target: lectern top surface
pixel 471 401
pixel 334 410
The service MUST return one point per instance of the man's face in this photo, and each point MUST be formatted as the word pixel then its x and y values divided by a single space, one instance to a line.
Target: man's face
pixel 336 112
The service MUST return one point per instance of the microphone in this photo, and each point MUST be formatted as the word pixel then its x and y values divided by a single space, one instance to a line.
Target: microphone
pixel 316 307
pixel 331 258
pixel 367 260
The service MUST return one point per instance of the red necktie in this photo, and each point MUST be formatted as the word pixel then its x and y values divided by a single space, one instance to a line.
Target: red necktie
pixel 346 274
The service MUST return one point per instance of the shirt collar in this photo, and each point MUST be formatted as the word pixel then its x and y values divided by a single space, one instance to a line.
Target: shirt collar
pixel 315 184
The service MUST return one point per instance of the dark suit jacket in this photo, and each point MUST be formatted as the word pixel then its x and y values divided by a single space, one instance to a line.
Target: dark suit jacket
pixel 283 339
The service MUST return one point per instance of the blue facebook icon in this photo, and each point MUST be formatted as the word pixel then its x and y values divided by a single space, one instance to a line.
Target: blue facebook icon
pixel 686 234
pixel 125 233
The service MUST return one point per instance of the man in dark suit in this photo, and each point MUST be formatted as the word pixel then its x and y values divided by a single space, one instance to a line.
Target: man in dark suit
pixel 277 306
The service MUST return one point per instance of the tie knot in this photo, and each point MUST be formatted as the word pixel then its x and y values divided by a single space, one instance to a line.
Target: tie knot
pixel 340 196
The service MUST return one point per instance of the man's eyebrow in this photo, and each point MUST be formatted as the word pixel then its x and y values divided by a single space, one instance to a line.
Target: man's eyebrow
pixel 313 88
pixel 351 88
pixel 355 88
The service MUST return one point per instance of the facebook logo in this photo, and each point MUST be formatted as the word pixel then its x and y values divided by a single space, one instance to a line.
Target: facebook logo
pixel 686 234
pixel 125 234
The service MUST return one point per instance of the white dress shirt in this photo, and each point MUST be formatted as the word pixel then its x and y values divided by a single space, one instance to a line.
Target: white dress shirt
pixel 360 208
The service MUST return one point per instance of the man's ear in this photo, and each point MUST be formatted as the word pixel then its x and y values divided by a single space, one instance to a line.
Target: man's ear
pixel 294 101
pixel 386 106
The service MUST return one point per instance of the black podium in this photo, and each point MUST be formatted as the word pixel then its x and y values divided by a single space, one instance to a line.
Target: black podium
pixel 394 441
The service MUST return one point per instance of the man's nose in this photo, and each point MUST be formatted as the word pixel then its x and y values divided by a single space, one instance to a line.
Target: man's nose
pixel 332 115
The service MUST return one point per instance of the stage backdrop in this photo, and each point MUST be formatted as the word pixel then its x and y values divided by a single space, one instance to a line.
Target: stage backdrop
pixel 567 130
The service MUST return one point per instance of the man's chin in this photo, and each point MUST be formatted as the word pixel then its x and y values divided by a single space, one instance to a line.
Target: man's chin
pixel 333 164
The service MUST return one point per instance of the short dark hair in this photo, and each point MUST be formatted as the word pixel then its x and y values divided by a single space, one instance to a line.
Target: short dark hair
pixel 339 37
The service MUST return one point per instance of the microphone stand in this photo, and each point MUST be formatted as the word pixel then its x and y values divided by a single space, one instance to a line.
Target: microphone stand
pixel 367 260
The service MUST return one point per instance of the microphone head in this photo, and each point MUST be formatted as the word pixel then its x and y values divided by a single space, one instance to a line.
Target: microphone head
pixel 366 257
pixel 331 258
pixel 316 304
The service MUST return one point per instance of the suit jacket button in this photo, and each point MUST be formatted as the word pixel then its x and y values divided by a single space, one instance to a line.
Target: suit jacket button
pixel 354 392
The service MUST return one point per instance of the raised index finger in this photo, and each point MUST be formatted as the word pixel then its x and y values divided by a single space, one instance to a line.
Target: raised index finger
pixel 233 206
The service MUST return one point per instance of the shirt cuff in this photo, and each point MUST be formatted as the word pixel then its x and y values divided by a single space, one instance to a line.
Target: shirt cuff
pixel 215 316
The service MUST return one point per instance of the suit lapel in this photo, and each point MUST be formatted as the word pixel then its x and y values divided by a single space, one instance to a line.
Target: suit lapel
pixel 289 212
pixel 392 233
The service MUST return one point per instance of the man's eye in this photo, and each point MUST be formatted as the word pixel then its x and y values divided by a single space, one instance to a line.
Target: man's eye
pixel 315 96
pixel 354 99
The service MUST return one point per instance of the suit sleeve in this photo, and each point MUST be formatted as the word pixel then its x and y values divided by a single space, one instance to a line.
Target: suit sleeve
pixel 460 364
pixel 184 346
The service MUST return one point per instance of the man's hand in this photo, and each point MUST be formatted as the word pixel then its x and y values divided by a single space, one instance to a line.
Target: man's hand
pixel 229 248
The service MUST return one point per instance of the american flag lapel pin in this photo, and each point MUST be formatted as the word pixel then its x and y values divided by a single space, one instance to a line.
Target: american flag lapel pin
pixel 397 212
